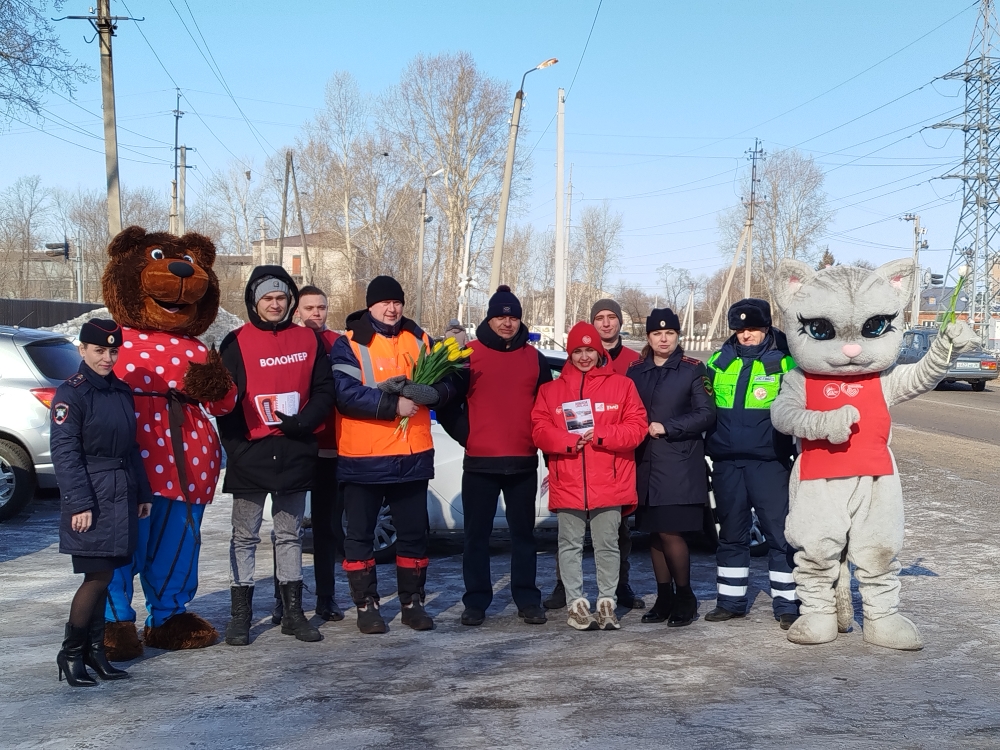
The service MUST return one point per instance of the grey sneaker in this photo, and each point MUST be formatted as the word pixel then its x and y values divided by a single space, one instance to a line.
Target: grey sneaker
pixel 580 616
pixel 606 619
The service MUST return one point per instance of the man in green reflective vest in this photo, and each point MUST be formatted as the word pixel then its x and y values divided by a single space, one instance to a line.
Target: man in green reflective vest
pixel 751 461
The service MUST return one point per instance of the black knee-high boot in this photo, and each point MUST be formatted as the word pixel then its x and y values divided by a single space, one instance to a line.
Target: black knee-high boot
pixel 94 656
pixel 70 658
pixel 363 581
pixel 410 583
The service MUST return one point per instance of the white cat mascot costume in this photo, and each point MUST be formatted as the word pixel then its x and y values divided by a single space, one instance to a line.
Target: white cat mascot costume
pixel 845 327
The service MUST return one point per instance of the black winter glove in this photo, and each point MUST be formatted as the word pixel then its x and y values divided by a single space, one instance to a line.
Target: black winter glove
pixel 425 395
pixel 394 385
pixel 290 426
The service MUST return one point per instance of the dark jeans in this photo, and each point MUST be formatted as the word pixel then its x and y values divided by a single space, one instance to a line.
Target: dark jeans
pixel 327 524
pixel 408 505
pixel 480 493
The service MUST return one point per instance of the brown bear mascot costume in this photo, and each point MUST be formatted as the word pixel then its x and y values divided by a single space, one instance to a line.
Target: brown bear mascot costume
pixel 161 289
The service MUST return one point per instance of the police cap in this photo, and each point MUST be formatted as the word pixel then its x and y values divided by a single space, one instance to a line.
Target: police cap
pixel 101 333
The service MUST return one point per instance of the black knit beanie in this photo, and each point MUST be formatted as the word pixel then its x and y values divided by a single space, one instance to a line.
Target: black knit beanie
pixel 503 303
pixel 383 289
pixel 662 318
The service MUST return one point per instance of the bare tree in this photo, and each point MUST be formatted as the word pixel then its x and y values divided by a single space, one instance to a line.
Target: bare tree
pixel 32 59
pixel 235 197
pixel 446 114
pixel 677 285
pixel 636 303
pixel 791 216
pixel 24 207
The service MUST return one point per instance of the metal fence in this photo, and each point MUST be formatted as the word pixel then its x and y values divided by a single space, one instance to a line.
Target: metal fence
pixel 37 313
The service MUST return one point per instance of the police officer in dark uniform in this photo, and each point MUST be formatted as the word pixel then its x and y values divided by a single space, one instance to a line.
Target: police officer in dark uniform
pixel 751 460
pixel 104 493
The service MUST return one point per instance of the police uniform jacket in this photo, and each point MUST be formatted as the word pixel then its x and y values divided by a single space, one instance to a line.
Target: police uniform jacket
pixel 671 469
pixel 746 381
pixel 97 463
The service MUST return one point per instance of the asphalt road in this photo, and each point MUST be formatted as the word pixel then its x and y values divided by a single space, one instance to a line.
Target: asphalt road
pixel 955 410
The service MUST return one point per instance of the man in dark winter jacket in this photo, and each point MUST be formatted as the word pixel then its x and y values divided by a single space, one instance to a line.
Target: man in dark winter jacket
pixel 751 460
pixel 606 317
pixel 494 426
pixel 286 391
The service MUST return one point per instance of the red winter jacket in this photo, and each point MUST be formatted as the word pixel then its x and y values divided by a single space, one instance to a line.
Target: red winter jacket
pixel 603 474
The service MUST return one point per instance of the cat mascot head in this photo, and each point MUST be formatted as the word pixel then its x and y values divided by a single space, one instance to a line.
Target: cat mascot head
pixel 844 320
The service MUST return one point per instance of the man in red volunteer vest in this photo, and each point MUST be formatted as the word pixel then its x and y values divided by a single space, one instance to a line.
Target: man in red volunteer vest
pixel 286 392
pixel 326 500
pixel 378 461
pixel 495 427
pixel 606 317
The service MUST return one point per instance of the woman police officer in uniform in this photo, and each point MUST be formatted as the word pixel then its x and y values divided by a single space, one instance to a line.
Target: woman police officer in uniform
pixel 104 492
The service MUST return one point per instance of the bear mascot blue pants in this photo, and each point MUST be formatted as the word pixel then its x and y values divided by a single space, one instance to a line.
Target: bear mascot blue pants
pixel 166 561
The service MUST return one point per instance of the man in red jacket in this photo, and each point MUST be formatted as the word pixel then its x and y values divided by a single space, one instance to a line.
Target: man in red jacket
pixel 606 317
pixel 494 425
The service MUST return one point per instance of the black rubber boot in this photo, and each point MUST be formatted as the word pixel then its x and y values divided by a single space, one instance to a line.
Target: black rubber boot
pixel 70 658
pixel 626 597
pixel 685 608
pixel 660 610
pixel 328 609
pixel 557 599
pixel 241 611
pixel 410 584
pixel 94 657
pixel 364 593
pixel 294 621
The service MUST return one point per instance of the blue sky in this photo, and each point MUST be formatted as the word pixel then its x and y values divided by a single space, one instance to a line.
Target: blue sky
pixel 668 98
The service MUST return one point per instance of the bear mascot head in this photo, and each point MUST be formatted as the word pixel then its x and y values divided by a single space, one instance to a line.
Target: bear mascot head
pixel 162 282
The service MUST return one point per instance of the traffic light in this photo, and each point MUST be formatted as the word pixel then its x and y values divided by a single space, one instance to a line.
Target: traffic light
pixel 64 246
pixel 937 279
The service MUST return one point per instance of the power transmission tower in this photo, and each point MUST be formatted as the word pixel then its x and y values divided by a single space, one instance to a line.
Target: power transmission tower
pixel 975 243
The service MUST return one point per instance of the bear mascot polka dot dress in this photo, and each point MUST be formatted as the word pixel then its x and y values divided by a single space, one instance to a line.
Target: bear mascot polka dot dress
pixel 163 292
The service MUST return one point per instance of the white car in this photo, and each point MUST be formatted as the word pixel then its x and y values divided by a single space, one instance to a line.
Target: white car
pixel 444 493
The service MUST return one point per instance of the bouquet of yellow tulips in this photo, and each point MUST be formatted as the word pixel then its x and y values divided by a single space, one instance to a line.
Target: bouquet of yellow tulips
pixel 444 358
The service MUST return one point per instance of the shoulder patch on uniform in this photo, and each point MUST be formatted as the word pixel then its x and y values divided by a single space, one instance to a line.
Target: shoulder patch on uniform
pixel 634 362
pixel 59 412
pixel 691 360
pixel 77 380
pixel 708 385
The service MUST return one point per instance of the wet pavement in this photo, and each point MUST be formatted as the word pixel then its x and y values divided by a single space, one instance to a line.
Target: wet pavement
pixel 506 684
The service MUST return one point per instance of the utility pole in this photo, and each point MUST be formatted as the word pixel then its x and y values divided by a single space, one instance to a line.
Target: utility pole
pixel 757 152
pixel 181 191
pixel 418 309
pixel 464 280
pixel 173 185
pixel 284 210
pixel 80 268
pixel 724 297
pixel 105 25
pixel 918 243
pixel 263 241
pixel 559 305
pixel 566 243
pixel 306 265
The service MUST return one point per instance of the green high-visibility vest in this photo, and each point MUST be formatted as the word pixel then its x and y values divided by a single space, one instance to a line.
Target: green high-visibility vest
pixel 765 379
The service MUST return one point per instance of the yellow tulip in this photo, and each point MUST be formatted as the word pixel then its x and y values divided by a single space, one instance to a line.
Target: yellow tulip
pixel 437 347
pixel 450 341
pixel 453 356
pixel 467 352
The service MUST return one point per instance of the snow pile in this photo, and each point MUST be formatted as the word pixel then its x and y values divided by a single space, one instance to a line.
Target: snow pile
pixel 224 323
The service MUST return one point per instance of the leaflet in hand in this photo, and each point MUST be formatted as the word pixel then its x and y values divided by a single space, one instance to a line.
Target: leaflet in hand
pixel 270 404
pixel 579 416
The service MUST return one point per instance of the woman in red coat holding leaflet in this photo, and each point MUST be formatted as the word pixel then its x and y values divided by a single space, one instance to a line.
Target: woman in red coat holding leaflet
pixel 588 424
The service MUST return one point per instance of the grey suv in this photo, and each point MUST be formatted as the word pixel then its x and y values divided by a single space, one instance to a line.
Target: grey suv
pixel 32 365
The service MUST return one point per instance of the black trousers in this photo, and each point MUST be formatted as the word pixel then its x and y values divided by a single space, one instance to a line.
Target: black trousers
pixel 408 505
pixel 327 524
pixel 480 494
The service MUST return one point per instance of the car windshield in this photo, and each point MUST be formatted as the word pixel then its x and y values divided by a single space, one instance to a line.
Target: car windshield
pixel 56 359
pixel 931 336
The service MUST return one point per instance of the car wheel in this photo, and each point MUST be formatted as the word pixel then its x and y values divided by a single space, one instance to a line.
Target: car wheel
pixel 17 479
pixel 978 385
pixel 384 542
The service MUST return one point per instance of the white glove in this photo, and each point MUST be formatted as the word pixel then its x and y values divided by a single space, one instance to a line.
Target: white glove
pixel 960 336
pixel 840 421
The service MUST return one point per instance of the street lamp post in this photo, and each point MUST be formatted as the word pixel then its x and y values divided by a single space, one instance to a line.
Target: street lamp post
pixel 508 172
pixel 419 307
